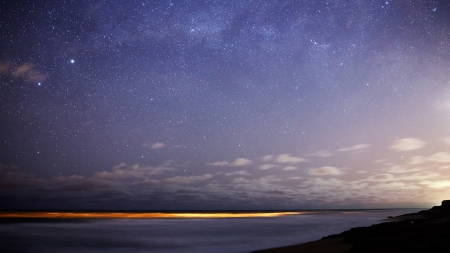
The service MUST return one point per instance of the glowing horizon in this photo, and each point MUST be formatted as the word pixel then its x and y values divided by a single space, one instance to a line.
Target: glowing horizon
pixel 121 215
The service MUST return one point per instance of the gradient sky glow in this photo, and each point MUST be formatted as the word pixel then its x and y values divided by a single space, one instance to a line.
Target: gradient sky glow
pixel 180 105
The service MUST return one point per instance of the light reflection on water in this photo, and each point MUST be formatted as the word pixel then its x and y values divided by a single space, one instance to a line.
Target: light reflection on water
pixel 141 215
pixel 232 235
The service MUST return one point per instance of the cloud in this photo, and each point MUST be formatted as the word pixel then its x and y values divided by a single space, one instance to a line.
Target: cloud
pixel 446 140
pixel 321 153
pixel 326 183
pixel 157 145
pixel 325 171
pixel 26 71
pixel 440 157
pixel 224 163
pixel 92 186
pixel 410 177
pixel 68 187
pixel 357 147
pixel 124 171
pixel 68 179
pixel 275 192
pixel 238 173
pixel 267 158
pixel 12 179
pixel 436 184
pixel 416 160
pixel 242 162
pixel 267 166
pixel 400 169
pixel 407 144
pixel 381 177
pixel 420 176
pixel 286 158
pixel 186 180
pixel 287 168
pixel 395 186
pixel 269 179
pixel 240 180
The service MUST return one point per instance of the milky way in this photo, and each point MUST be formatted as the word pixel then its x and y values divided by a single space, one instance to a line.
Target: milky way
pixel 224 104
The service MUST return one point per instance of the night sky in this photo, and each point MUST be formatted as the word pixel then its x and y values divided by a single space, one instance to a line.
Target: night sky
pixel 176 105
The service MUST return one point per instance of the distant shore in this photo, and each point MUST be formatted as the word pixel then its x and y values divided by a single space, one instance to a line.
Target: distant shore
pixel 425 231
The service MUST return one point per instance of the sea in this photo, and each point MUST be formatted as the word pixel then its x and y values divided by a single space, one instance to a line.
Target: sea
pixel 185 235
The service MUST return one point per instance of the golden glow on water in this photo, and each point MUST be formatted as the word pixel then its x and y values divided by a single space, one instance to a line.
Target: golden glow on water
pixel 118 215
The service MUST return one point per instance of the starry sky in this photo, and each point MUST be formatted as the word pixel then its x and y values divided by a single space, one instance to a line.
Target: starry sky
pixel 182 105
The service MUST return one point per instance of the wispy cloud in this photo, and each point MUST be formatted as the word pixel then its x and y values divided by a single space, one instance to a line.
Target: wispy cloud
pixel 223 163
pixel 288 168
pixel 242 162
pixel 436 184
pixel 321 153
pixel 28 71
pixel 267 158
pixel 440 157
pixel 238 173
pixel 267 166
pixel 355 148
pixel 402 169
pixel 416 160
pixel 408 144
pixel 446 140
pixel 406 177
pixel 381 177
pixel 287 158
pixel 157 145
pixel 124 171
pixel 240 180
pixel 186 180
pixel 325 171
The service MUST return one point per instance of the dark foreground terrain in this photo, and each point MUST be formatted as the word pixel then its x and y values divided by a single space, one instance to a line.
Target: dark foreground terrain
pixel 425 231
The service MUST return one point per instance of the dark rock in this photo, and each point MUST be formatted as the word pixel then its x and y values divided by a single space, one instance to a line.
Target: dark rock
pixel 425 231
pixel 446 203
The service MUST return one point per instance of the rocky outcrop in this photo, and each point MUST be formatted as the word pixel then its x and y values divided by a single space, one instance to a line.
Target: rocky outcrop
pixel 425 231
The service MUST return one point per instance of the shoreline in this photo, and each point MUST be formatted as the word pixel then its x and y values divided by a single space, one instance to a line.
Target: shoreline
pixel 424 231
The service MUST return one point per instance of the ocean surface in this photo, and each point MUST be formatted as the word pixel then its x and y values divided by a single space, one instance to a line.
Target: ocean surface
pixel 225 235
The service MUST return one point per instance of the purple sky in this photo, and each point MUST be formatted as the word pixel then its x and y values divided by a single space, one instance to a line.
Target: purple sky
pixel 224 104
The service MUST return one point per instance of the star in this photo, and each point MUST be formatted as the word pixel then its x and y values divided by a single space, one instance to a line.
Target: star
pixel 195 86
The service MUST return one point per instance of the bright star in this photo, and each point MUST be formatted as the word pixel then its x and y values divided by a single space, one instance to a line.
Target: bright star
pixel 39 84
pixel 72 61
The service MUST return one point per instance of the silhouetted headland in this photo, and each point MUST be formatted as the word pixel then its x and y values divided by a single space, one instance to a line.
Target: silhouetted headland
pixel 425 231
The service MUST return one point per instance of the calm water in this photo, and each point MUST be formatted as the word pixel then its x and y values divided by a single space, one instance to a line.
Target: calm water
pixel 181 235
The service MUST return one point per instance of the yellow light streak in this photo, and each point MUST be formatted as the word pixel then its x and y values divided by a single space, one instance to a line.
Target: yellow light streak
pixel 118 215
